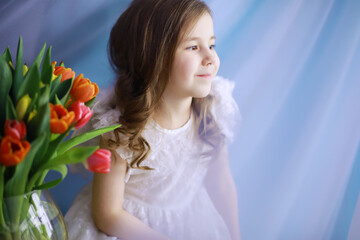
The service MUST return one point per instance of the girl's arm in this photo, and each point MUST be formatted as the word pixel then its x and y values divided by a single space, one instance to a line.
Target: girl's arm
pixel 221 188
pixel 107 199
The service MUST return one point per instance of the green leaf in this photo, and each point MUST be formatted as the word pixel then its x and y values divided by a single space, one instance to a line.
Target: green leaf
pixel 58 163
pixel 54 84
pixel 51 149
pixel 2 171
pixel 61 89
pixel 64 146
pixel 44 96
pixel 18 74
pixel 40 154
pixel 16 185
pixel 39 57
pixel 62 169
pixel 40 180
pixel 57 101
pixel 31 83
pixel 7 55
pixel 90 102
pixel 5 85
pixel 10 109
pixel 72 156
pixel 40 123
pixel 47 68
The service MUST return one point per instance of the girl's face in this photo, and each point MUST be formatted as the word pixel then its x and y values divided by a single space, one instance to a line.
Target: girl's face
pixel 195 62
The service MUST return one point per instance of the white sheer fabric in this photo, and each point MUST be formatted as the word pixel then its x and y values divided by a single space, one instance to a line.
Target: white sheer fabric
pixel 171 198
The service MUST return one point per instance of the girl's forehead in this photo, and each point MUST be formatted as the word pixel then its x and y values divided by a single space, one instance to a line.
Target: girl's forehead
pixel 199 25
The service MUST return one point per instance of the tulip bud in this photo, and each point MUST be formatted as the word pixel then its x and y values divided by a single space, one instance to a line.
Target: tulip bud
pixel 22 106
pixel 32 114
pixel 25 69
pixel 11 65
pixel 99 161
pixel 15 129
pixel 82 113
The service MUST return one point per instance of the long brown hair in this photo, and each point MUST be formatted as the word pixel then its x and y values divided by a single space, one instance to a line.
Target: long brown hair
pixel 141 49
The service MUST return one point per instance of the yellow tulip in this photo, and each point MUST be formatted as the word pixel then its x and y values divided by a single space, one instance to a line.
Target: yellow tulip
pixel 32 114
pixel 25 69
pixel 11 65
pixel 22 106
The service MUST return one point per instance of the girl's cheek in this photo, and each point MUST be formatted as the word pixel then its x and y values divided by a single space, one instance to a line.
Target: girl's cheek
pixel 217 62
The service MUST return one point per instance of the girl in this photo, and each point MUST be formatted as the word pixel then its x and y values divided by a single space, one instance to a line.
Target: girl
pixel 170 177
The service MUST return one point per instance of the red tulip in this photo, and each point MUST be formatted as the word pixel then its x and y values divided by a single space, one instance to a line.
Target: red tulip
pixel 82 113
pixel 60 118
pixel 15 129
pixel 83 89
pixel 13 150
pixel 99 161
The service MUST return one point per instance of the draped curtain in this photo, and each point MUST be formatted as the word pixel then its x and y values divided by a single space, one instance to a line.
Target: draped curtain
pixel 296 64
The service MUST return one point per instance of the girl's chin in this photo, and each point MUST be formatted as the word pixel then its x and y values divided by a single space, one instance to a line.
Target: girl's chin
pixel 203 92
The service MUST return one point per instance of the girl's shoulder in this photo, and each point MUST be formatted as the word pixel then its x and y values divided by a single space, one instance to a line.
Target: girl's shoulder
pixel 224 109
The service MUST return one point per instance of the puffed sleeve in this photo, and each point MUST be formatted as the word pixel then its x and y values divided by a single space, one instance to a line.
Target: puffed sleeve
pixel 224 109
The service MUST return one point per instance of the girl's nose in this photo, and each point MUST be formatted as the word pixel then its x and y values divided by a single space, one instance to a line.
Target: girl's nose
pixel 208 58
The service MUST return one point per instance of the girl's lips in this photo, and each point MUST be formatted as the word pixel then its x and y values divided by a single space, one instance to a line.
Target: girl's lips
pixel 204 75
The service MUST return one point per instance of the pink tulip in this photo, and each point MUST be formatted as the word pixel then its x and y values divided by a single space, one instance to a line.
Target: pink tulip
pixel 99 161
pixel 15 129
pixel 82 113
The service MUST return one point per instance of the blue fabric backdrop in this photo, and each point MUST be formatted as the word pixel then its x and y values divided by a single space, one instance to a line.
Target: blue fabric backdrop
pixel 296 63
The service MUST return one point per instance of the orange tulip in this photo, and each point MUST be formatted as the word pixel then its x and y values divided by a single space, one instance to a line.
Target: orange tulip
pixel 66 73
pixel 83 89
pixel 13 151
pixel 60 118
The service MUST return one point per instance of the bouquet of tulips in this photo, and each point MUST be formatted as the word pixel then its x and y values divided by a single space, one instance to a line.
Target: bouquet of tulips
pixel 39 107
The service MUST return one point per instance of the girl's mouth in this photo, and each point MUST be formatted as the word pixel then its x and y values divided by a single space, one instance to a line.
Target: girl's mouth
pixel 207 75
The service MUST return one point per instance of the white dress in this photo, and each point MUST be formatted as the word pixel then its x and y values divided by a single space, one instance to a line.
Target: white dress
pixel 172 198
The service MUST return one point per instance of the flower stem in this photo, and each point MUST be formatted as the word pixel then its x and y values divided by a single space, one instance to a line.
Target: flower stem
pixel 2 220
pixel 16 235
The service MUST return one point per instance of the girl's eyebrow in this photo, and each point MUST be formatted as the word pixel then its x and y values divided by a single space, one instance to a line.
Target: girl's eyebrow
pixel 197 38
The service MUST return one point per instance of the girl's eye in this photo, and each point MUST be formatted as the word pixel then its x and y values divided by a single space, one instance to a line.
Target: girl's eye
pixel 212 46
pixel 193 48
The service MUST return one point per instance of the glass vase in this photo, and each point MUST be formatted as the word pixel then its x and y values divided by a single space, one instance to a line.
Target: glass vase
pixel 30 216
